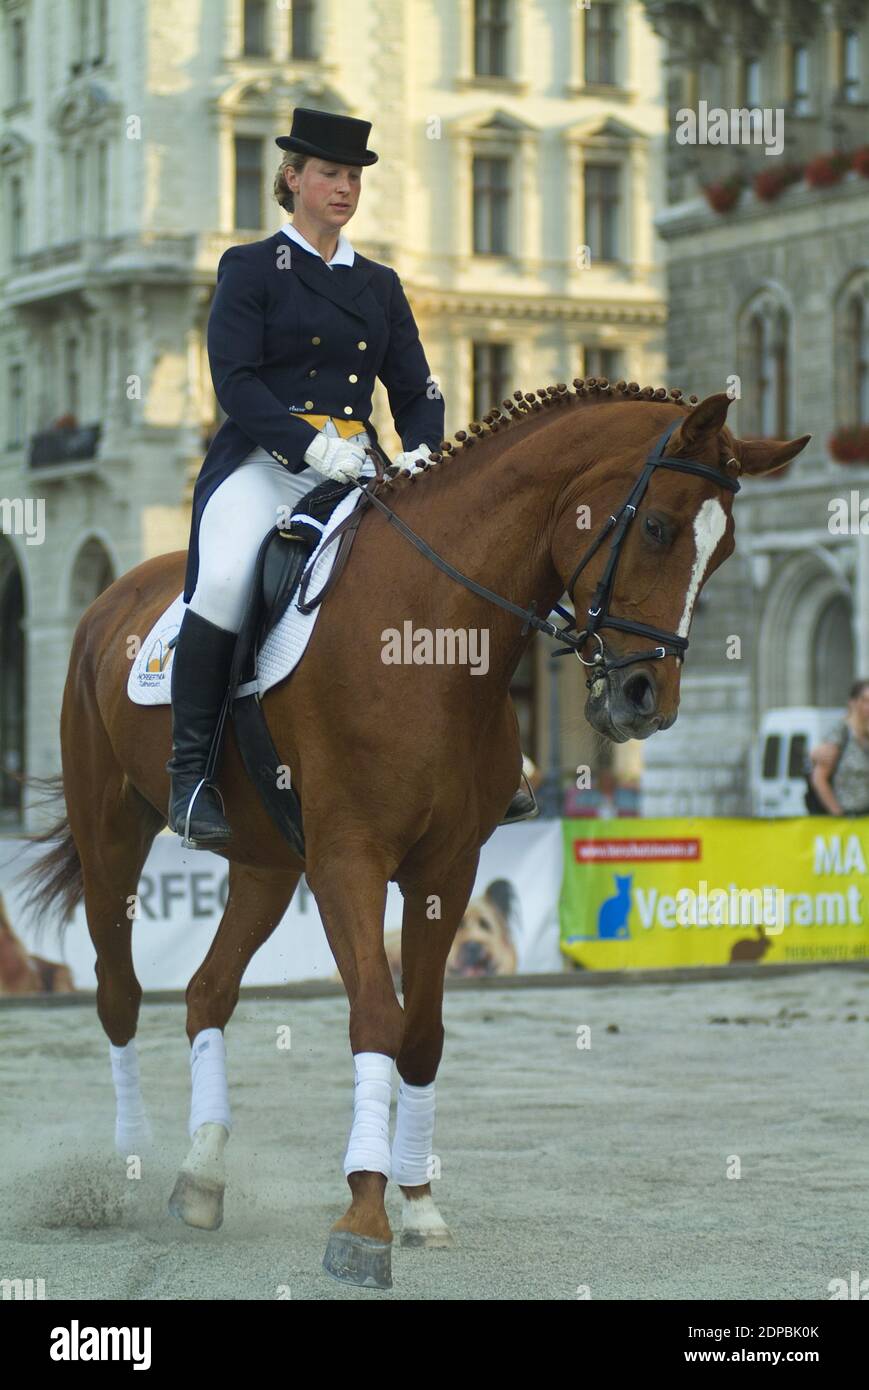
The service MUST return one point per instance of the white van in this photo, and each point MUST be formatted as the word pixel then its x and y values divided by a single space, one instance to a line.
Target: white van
pixel 781 757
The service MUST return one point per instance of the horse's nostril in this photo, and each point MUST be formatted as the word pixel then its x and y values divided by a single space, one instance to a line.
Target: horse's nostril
pixel 639 692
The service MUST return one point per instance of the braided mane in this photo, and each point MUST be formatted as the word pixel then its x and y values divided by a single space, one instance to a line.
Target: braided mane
pixel 522 406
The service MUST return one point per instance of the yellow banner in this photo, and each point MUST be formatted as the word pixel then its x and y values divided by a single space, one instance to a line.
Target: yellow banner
pixel 650 894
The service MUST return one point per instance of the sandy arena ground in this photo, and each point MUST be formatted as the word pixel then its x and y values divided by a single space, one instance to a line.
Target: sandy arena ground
pixel 561 1167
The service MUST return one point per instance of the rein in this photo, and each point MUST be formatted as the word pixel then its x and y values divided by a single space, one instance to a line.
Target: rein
pixel 670 643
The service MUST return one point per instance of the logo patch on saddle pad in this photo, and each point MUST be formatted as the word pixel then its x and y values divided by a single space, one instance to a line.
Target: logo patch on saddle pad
pixel 150 678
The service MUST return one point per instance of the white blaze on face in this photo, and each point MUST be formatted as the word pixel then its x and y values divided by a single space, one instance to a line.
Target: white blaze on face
pixel 710 523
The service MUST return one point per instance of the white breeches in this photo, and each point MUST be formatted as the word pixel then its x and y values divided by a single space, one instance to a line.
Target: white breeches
pixel 234 521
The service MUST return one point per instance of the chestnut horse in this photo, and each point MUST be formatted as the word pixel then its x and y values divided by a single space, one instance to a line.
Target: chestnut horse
pixel 403 770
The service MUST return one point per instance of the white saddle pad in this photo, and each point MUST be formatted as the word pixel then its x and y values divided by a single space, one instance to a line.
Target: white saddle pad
pixel 149 681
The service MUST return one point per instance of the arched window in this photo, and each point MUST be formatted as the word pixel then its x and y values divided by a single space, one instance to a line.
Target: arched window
pixel 765 368
pixel 852 352
pixel 832 653
pixel 91 574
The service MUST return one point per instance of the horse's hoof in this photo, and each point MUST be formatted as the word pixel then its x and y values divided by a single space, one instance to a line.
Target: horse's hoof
pixel 422 1226
pixel 133 1139
pixel 361 1260
pixel 197 1203
pixel 428 1240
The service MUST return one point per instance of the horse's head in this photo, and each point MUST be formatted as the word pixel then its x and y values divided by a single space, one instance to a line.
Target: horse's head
pixel 662 523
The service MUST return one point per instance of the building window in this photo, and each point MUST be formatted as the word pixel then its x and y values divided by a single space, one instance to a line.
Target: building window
pixel 751 82
pixel 79 180
pixel 491 204
pixel 602 208
pixel 125 368
pixel 491 377
pixel 601 42
pixel 254 29
pixel 16 430
pixel 102 188
pixel 799 93
pixel 248 182
pixel 769 373
pixel 18 61
pixel 102 32
pixel 849 73
pixel 491 27
pixel 80 35
pixel 16 217
pixel 73 378
pixel 92 574
pixel 606 362
pixel 857 338
pixel 302 29
pixel 106 393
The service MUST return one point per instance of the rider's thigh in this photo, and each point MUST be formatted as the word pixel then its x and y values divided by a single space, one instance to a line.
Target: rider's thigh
pixel 234 521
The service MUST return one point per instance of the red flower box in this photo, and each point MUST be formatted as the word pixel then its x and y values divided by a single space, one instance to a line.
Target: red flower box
pixel 723 195
pixel 826 169
pixel 769 183
pixel 860 161
pixel 850 444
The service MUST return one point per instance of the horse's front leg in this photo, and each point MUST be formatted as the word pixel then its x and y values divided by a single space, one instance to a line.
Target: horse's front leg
pixel 257 901
pixel 433 910
pixel 349 886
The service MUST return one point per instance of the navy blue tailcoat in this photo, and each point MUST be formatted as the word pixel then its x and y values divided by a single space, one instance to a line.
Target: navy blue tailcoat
pixel 288 336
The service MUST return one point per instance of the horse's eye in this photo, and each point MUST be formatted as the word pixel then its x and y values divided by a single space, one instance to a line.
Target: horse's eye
pixel 654 528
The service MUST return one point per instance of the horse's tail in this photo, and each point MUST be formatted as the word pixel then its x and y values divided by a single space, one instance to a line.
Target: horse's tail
pixel 56 883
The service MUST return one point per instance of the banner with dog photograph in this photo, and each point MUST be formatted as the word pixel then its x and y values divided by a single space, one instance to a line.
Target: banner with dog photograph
pixel 510 926
pixel 651 894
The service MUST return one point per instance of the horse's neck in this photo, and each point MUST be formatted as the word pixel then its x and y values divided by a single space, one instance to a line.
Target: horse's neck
pixel 492 521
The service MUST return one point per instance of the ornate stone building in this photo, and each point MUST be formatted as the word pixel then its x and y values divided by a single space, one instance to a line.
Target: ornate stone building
pixel 519 144
pixel 769 297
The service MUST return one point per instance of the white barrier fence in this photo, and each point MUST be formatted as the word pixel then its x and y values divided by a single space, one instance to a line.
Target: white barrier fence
pixel 511 925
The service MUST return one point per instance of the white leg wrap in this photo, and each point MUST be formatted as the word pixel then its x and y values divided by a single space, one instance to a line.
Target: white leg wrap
pixel 368 1149
pixel 131 1122
pixel 209 1100
pixel 414 1134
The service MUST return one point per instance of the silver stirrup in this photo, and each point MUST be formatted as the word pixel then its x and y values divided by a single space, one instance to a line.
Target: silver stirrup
pixel 185 838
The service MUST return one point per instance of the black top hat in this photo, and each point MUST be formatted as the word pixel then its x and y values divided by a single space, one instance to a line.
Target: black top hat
pixel 321 133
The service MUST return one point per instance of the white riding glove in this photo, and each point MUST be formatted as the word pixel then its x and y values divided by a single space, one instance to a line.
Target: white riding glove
pixel 336 458
pixel 413 459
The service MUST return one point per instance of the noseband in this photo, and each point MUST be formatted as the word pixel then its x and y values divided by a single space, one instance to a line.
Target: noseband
pixel 670 643
pixel 598 615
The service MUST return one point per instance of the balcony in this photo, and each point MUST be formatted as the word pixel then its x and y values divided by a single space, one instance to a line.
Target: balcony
pixel 74 444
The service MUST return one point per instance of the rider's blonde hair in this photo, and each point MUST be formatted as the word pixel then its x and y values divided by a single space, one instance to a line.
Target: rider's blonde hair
pixel 293 159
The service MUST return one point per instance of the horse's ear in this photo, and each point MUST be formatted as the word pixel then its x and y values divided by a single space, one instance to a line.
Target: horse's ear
pixel 766 455
pixel 701 424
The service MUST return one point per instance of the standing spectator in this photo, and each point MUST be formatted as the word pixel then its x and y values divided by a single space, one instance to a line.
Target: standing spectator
pixel 840 765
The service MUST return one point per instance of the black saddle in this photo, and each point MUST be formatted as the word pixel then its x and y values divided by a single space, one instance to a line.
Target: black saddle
pixel 285 552
pixel 280 562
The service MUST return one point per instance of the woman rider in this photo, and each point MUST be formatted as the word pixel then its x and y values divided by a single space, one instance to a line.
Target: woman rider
pixel 300 327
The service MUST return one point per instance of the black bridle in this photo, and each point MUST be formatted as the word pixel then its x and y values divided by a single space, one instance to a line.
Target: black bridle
pixel 670 643
pixel 598 615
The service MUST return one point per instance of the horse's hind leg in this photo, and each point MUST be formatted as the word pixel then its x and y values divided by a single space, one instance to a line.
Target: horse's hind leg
pixel 425 946
pixel 113 828
pixel 258 899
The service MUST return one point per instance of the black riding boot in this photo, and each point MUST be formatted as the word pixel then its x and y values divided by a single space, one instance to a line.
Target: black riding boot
pixel 200 676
